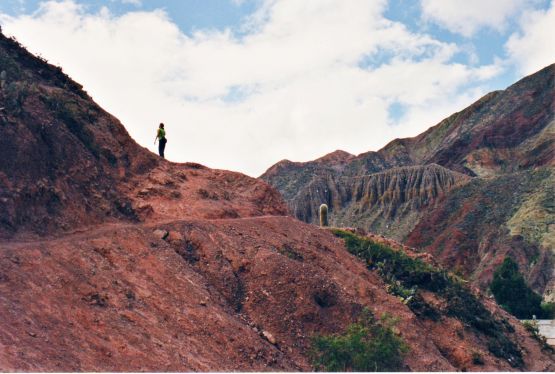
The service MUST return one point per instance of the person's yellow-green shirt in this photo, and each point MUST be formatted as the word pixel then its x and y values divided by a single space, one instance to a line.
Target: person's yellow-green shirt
pixel 161 133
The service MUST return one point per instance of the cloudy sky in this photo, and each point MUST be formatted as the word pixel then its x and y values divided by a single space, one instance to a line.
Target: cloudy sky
pixel 242 84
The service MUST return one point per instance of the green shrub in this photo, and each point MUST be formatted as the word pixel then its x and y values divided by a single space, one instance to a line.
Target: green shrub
pixel 15 94
pixel 513 294
pixel 367 345
pixel 394 264
pixel 531 327
pixel 421 308
pixel 404 275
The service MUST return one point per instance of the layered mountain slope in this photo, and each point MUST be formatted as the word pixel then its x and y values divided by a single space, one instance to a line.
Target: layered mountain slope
pixel 497 143
pixel 504 131
pixel 478 225
pixel 391 201
pixel 112 259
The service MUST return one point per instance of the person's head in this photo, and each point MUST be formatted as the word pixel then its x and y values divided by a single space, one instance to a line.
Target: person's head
pixel 161 125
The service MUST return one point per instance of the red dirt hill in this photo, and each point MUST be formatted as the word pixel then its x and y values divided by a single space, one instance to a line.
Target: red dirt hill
pixel 114 260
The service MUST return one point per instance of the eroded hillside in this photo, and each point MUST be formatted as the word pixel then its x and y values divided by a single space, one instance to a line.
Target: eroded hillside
pixel 112 259
pixel 232 294
pixel 471 190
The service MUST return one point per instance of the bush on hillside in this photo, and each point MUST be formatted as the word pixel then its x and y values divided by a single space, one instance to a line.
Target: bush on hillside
pixel 394 264
pixel 367 345
pixel 513 294
pixel 405 276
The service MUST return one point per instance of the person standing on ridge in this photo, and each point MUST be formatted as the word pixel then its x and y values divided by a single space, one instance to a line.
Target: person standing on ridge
pixel 161 136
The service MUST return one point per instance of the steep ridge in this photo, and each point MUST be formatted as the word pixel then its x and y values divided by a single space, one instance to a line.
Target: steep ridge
pixel 505 131
pixel 506 135
pixel 61 154
pixel 67 163
pixel 120 261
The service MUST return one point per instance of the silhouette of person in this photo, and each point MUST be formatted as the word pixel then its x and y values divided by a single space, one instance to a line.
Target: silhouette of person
pixel 161 136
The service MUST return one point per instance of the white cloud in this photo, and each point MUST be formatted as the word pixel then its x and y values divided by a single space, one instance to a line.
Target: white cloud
pixel 468 16
pixel 534 47
pixel 295 86
pixel 132 2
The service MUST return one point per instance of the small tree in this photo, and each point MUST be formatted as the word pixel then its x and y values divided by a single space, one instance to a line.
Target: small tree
pixel 512 293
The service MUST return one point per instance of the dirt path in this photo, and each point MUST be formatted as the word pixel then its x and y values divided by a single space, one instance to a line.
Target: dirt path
pixel 95 231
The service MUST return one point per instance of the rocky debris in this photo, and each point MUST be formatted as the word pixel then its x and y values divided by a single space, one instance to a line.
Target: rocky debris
pixel 161 234
pixel 269 337
pixel 174 237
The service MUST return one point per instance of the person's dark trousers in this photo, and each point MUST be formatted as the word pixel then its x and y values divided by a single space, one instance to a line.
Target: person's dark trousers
pixel 162 147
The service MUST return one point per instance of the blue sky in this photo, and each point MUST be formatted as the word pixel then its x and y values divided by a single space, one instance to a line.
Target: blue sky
pixel 188 14
pixel 243 84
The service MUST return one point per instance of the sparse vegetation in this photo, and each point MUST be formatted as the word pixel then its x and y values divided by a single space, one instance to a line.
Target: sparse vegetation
pixel 368 345
pixel 405 276
pixel 291 253
pixel 394 265
pixel 548 310
pixel 76 117
pixel 15 94
pixel 207 195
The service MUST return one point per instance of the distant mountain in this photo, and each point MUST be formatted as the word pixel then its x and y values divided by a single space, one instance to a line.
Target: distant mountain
pixel 473 189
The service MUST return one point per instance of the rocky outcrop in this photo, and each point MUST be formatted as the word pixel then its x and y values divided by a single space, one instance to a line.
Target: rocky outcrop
pixel 386 202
